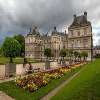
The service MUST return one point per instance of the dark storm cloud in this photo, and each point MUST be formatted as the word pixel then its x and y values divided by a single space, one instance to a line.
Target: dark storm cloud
pixel 17 16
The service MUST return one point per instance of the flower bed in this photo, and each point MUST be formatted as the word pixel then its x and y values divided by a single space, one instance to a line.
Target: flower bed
pixel 35 81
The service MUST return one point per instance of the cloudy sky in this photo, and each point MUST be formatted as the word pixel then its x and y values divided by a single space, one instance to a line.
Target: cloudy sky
pixel 17 16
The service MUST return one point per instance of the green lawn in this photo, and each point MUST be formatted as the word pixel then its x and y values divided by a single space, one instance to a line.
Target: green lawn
pixel 85 86
pixel 19 94
pixel 17 60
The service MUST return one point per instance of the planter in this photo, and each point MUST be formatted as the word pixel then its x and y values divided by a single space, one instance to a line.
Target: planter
pixel 47 64
pixel 10 69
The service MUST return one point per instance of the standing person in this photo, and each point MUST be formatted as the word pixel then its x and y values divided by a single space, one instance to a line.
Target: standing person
pixel 30 68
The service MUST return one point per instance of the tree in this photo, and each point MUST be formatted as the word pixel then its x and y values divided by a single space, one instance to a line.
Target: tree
pixel 47 52
pixel 0 51
pixel 84 55
pixel 79 56
pixel 20 38
pixel 63 53
pixel 70 53
pixel 11 48
pixel 76 54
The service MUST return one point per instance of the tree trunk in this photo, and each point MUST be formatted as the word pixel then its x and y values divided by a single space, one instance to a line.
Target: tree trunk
pixel 47 63
pixel 11 60
pixel 84 58
pixel 80 59
pixel 70 58
pixel 75 58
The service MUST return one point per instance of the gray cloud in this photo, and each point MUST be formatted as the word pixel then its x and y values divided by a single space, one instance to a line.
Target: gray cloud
pixel 42 13
pixel 17 16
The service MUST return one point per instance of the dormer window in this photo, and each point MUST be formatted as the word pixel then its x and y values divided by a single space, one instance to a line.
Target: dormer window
pixel 71 33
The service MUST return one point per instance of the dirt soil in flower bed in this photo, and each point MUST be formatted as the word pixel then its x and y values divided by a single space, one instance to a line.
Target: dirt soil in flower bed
pixel 35 86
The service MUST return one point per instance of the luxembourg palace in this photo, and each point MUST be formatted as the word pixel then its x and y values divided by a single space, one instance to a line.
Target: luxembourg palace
pixel 78 38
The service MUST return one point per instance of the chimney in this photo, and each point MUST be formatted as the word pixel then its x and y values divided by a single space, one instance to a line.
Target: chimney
pixel 74 16
pixel 54 27
pixel 85 14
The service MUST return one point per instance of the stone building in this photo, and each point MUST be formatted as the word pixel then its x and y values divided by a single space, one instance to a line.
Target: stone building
pixel 80 35
pixel 33 44
pixel 96 50
pixel 79 38
pixel 36 43
pixel 58 42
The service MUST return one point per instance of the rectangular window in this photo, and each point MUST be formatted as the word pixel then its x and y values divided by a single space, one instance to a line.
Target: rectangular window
pixel 85 42
pixel 78 33
pixel 85 31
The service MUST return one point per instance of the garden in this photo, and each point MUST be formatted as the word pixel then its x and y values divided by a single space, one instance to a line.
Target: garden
pixel 37 85
pixel 85 86
pixel 35 81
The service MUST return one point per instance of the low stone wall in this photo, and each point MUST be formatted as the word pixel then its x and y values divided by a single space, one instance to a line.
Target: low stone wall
pixel 53 64
pixel 20 69
pixel 39 65
pixel 2 71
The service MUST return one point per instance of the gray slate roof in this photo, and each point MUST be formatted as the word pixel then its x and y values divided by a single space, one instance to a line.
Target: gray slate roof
pixel 80 21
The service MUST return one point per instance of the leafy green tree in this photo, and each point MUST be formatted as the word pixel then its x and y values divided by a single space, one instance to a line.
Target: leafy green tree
pixel 70 53
pixel 20 38
pixel 47 52
pixel 84 55
pixel 0 51
pixel 76 54
pixel 79 56
pixel 63 53
pixel 11 48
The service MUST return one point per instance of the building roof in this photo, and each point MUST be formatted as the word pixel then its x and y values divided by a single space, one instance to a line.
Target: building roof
pixel 80 21
pixel 34 31
pixel 96 47
pixel 55 32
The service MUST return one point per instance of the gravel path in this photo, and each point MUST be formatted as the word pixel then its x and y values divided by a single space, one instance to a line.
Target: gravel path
pixel 53 92
pixel 7 80
pixel 3 96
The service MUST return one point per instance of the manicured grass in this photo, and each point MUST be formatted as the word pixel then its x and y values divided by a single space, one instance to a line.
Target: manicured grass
pixel 18 60
pixel 86 86
pixel 19 94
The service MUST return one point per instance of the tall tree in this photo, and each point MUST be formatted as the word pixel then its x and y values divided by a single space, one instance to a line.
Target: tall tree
pixel 11 48
pixel 63 53
pixel 47 52
pixel 79 56
pixel 20 38
pixel 70 53
pixel 84 55
pixel 0 51
pixel 76 54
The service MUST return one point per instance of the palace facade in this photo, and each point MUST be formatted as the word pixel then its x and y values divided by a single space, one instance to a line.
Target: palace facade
pixel 78 38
